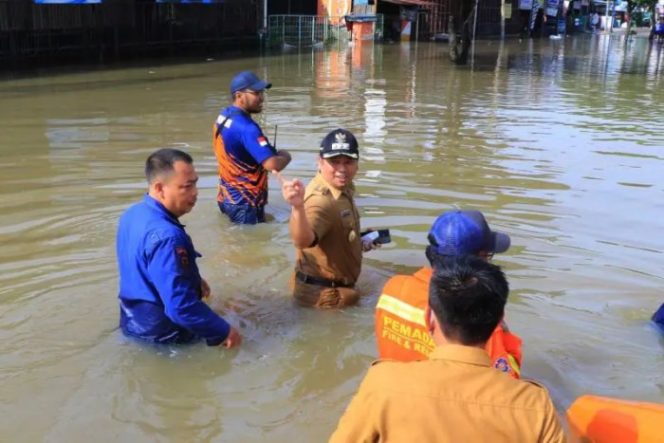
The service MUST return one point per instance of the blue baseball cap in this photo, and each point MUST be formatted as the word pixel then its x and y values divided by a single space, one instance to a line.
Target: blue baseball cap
pixel 248 80
pixel 465 233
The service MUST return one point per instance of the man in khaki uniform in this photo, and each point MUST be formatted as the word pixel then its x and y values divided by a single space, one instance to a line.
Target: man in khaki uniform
pixel 325 227
pixel 455 396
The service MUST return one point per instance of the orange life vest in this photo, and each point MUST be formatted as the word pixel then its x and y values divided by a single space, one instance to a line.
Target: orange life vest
pixel 603 419
pixel 401 333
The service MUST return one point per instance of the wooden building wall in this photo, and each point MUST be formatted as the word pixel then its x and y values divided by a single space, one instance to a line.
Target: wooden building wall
pixel 120 27
pixel 435 16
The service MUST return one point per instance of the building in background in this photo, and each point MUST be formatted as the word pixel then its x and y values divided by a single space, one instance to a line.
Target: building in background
pixel 44 30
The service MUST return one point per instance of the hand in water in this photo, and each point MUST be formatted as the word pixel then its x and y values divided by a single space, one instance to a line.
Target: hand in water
pixel 234 339
pixel 205 289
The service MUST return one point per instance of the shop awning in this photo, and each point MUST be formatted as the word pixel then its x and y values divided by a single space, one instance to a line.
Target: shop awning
pixel 360 18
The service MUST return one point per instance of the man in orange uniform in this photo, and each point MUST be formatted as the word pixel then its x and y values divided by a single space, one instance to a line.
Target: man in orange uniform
pixel 401 332
pixel 455 395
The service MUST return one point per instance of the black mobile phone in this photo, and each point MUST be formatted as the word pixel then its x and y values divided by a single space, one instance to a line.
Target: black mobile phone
pixel 381 236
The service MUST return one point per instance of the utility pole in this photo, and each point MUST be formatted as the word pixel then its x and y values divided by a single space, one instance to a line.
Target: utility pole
pixel 477 5
pixel 502 19
pixel 265 15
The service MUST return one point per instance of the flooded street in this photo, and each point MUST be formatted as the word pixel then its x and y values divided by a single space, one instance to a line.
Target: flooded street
pixel 559 143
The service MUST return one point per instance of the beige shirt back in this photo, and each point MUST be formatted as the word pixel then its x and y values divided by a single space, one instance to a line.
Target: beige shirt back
pixel 336 222
pixel 453 397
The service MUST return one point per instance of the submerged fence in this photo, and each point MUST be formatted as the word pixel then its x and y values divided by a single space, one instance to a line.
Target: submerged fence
pixel 311 30
pixel 305 30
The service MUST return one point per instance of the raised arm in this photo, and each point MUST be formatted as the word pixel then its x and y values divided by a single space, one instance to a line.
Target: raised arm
pixel 278 161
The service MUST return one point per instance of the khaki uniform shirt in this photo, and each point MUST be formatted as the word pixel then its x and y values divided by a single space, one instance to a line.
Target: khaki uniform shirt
pixel 334 218
pixel 453 397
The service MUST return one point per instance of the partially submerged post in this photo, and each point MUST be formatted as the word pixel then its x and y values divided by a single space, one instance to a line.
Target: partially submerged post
pixel 460 46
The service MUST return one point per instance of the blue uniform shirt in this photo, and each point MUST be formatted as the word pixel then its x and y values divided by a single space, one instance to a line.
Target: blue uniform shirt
pixel 241 148
pixel 160 285
pixel 658 318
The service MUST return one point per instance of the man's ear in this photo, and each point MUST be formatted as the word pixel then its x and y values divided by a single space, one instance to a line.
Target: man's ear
pixel 158 187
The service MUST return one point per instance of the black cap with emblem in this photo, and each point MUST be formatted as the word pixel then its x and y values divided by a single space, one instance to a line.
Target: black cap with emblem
pixel 339 142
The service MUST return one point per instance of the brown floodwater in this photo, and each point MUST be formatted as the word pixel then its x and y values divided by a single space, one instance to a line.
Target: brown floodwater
pixel 559 143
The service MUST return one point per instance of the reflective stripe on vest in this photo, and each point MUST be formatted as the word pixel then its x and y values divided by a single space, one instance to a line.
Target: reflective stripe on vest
pixel 401 332
pixel 514 365
pixel 401 309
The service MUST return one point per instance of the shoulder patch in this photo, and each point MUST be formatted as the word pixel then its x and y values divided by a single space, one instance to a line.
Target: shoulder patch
pixel 502 365
pixel 182 257
pixel 261 140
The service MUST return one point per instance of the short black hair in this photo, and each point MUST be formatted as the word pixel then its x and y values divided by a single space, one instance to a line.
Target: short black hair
pixel 432 255
pixel 161 162
pixel 468 297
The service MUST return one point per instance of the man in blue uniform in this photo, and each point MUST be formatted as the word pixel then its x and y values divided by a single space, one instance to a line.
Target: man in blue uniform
pixel 658 318
pixel 244 154
pixel 161 289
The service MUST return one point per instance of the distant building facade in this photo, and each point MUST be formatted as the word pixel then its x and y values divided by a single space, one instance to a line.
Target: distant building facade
pixel 41 31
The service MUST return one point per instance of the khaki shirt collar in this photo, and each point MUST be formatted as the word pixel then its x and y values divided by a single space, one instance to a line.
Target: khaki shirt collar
pixel 462 354
pixel 336 193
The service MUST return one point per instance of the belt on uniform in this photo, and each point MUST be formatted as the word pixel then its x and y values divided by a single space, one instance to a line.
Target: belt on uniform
pixel 318 281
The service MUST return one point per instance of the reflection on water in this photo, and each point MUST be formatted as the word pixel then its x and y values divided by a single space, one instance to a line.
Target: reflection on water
pixel 558 142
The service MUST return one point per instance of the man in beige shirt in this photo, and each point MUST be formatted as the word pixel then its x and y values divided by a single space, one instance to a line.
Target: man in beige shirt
pixel 455 396
pixel 325 227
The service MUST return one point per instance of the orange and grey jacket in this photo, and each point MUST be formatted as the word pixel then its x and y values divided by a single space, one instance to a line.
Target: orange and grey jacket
pixel 241 147
pixel 401 333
